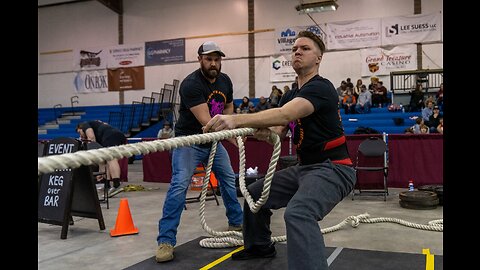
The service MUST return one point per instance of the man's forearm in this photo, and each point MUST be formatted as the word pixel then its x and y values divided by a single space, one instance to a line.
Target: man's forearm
pixel 266 118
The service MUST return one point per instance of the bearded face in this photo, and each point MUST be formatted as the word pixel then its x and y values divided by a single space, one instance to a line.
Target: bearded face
pixel 211 65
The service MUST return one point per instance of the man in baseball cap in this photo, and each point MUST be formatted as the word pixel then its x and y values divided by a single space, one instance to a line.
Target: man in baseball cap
pixel 209 47
pixel 203 93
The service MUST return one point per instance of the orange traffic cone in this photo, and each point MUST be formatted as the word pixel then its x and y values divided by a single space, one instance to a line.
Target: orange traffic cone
pixel 124 224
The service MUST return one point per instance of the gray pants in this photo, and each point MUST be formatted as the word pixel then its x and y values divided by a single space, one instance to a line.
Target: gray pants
pixel 309 193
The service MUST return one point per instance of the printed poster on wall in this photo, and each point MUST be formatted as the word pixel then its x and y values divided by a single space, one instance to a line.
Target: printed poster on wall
pixel 91 81
pixel 162 52
pixel 353 34
pixel 411 29
pixel 90 58
pixel 122 79
pixel 131 55
pixel 378 61
pixel 281 69
pixel 285 37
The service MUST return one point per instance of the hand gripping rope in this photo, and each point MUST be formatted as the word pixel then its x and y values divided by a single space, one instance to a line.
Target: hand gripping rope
pixel 49 164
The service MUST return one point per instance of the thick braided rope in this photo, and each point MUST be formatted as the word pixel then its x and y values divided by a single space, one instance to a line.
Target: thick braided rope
pixel 220 239
pixel 255 206
pixel 354 221
pixel 49 164
pixel 434 225
pixel 233 238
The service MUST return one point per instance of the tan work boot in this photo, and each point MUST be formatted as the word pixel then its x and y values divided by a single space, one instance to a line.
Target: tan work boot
pixel 237 228
pixel 164 253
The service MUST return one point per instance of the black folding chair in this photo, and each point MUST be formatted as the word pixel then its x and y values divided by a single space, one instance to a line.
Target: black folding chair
pixel 97 172
pixel 371 158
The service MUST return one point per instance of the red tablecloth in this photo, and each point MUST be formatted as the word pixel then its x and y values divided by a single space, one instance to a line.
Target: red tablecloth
pixel 418 157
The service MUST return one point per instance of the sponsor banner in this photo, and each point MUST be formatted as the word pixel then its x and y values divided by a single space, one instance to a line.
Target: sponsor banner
pixel 353 34
pixel 164 52
pixel 378 61
pixel 411 29
pixel 285 37
pixel 122 79
pixel 91 81
pixel 281 69
pixel 131 55
pixel 90 58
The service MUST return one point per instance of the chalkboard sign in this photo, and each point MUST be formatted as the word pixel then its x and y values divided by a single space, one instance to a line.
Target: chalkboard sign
pixel 66 193
pixel 53 196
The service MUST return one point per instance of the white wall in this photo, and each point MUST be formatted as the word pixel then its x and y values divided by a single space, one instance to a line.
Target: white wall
pixel 90 24
pixel 66 27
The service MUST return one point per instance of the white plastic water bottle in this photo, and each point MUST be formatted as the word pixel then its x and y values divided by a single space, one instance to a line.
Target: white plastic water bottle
pixel 410 185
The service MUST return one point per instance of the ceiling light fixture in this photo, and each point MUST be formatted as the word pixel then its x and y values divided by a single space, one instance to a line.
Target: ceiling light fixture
pixel 317 7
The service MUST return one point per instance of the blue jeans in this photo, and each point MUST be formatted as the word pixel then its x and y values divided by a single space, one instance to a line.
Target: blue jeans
pixel 184 162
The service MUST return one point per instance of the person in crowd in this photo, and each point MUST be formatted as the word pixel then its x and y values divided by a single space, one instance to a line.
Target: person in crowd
pixel 286 88
pixel 349 83
pixel 416 98
pixel 358 89
pixel 324 176
pixel 349 102
pixel 204 93
pixel 244 105
pixel 262 104
pixel 439 97
pixel 364 101
pixel 166 132
pixel 440 126
pixel 341 91
pixel 251 108
pixel 424 129
pixel 427 111
pixel 274 97
pixel 434 119
pixel 373 84
pixel 107 136
pixel 418 123
pixel 379 95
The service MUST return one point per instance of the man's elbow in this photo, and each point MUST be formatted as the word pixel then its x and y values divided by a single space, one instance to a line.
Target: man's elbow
pixel 285 118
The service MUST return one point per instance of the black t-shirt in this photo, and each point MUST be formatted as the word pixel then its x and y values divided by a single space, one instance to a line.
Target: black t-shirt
pixel 315 134
pixel 101 130
pixel 196 89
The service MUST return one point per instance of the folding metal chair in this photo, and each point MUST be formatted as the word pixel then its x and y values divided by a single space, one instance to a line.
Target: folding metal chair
pixel 371 159
pixel 97 172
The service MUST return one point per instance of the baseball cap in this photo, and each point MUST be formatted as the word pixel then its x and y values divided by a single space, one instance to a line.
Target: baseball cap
pixel 436 107
pixel 209 47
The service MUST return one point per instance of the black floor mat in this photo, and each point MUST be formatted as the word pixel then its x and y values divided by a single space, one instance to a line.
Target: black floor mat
pixel 192 256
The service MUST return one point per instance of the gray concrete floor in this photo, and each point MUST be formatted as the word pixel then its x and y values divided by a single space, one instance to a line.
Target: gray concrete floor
pixel 88 247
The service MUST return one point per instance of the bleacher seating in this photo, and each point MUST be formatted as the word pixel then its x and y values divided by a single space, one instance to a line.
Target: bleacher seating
pixel 49 128
pixel 67 122
pixel 379 119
